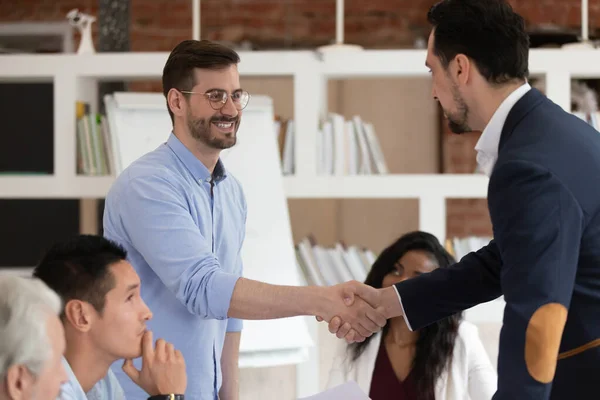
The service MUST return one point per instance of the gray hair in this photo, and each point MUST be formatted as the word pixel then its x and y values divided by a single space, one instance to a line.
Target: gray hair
pixel 25 304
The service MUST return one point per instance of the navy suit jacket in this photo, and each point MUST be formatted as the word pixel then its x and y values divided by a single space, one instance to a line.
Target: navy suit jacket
pixel 544 203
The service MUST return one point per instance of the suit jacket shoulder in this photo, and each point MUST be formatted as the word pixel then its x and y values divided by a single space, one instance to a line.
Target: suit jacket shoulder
pixel 539 133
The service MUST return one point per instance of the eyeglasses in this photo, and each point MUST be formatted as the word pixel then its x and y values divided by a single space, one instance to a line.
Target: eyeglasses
pixel 218 98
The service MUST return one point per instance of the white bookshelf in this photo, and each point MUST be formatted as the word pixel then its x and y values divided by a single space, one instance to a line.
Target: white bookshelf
pixel 398 186
pixel 76 77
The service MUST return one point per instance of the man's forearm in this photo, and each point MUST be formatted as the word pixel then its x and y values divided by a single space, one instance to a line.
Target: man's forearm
pixel 230 389
pixel 258 300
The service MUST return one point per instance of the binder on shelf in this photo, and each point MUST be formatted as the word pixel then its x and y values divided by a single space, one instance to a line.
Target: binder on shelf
pixel 349 147
pixel 287 147
pixel 328 266
pixel 343 147
pixel 94 154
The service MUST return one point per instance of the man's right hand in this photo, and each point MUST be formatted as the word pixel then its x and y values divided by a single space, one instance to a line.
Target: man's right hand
pixel 343 301
pixel 384 301
pixel 163 368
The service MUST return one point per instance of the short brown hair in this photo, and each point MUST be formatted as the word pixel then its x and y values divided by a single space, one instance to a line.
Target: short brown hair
pixel 188 55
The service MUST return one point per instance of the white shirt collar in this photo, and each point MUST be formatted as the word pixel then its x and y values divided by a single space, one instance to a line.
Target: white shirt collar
pixel 487 145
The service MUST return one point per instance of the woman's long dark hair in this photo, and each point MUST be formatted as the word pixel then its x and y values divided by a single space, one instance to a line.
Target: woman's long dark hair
pixel 435 344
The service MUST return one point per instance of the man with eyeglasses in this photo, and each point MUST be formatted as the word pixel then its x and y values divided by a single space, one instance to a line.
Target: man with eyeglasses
pixel 181 217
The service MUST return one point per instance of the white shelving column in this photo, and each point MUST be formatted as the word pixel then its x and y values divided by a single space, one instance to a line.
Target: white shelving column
pixel 558 88
pixel 310 94
pixel 432 215
pixel 307 103
pixel 64 126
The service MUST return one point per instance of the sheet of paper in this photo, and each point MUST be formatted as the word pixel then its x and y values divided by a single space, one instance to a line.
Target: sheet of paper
pixel 346 391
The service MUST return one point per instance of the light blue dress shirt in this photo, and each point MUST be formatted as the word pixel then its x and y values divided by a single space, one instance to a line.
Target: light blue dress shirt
pixel 183 230
pixel 106 389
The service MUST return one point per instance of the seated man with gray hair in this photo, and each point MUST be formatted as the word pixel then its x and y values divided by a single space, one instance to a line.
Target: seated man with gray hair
pixel 32 340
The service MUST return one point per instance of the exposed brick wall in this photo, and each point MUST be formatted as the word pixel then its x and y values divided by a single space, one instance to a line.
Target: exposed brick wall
pixel 157 25
pixel 466 217
pixel 160 24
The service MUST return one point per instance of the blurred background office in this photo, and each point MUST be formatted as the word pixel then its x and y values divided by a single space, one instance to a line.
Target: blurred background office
pixel 378 161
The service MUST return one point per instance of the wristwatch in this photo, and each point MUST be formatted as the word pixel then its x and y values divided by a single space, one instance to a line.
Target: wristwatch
pixel 167 397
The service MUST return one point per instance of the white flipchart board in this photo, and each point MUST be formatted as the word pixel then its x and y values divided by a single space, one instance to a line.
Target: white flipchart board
pixel 139 122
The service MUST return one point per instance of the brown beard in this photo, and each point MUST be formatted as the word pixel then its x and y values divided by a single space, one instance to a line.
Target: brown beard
pixel 457 122
pixel 200 129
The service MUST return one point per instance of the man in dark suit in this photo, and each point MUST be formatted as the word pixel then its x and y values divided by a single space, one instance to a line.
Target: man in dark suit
pixel 544 203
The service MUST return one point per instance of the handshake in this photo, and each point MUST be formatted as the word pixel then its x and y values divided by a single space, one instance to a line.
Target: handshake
pixel 355 311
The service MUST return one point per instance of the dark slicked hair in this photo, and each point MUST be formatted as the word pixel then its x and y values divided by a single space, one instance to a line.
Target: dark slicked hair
pixel 188 55
pixel 487 31
pixel 79 269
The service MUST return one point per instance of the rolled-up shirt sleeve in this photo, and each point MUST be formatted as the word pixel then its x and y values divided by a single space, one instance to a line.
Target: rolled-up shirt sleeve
pixel 161 228
pixel 234 325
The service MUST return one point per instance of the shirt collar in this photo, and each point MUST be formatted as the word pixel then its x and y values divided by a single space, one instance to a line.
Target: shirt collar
pixel 487 145
pixel 73 381
pixel 195 166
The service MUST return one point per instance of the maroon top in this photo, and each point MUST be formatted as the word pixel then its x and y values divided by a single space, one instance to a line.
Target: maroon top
pixel 385 385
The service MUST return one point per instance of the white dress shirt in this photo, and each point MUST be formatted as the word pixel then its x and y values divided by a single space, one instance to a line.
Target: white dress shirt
pixel 487 145
pixel 107 388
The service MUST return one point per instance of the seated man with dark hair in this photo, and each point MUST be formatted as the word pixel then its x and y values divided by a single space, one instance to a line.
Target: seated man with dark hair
pixel 104 319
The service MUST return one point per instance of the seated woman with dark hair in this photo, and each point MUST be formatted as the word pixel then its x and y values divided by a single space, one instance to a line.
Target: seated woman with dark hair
pixel 443 361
